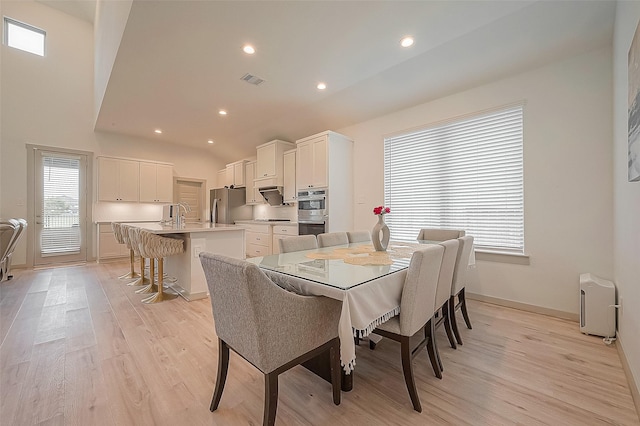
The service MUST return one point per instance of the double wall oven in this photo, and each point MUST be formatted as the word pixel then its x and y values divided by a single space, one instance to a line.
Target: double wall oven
pixel 313 215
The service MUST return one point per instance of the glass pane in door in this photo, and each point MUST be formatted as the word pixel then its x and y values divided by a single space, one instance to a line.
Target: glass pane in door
pixel 60 209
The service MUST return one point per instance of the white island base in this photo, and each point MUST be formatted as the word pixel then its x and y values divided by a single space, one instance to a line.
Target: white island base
pixel 184 271
pixel 186 268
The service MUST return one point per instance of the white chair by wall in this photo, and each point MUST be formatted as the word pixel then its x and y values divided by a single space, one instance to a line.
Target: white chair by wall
pixel 358 236
pixel 332 239
pixel 460 280
pixel 298 243
pixel 435 234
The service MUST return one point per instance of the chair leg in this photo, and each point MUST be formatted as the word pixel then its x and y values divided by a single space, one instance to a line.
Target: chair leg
pixel 142 280
pixel 132 273
pixel 152 286
pixel 407 369
pixel 270 398
pixel 447 324
pixel 334 354
pixel 463 307
pixel 223 367
pixel 452 318
pixel 431 349
pixel 160 295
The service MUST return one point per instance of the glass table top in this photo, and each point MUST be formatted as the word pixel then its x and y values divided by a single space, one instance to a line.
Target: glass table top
pixel 336 272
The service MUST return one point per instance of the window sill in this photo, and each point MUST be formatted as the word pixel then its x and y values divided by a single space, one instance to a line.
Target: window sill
pixel 502 257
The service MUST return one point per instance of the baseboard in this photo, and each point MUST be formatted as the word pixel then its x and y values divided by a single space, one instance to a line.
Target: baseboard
pixel 633 386
pixel 524 307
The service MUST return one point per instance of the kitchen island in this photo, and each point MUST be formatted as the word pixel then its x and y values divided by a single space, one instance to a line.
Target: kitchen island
pixel 185 268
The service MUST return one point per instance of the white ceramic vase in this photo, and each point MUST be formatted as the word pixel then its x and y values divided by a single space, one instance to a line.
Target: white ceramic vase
pixel 380 242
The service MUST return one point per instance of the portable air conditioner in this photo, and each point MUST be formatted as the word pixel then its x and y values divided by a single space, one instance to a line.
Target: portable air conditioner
pixel 597 313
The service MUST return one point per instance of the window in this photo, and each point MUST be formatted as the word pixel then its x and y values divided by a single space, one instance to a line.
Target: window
pixel 465 174
pixel 23 36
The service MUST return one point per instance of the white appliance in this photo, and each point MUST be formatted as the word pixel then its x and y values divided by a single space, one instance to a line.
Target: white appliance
pixel 597 310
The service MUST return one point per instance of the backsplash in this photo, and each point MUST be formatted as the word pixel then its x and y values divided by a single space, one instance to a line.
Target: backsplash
pixel 265 211
pixel 121 212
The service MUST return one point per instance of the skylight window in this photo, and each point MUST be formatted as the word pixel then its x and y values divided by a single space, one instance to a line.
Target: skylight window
pixel 24 37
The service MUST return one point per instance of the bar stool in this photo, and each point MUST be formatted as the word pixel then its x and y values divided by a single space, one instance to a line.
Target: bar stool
pixel 123 238
pixel 133 241
pixel 156 247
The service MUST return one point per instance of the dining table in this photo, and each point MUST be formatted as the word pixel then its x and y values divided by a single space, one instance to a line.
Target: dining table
pixel 368 282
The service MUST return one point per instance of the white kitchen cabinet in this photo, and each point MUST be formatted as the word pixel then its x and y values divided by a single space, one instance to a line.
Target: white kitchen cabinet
pixel 312 163
pixel 221 178
pixel 258 239
pixel 289 177
pixel 325 160
pixel 252 194
pixel 270 162
pixel 118 179
pixel 280 232
pixel 156 183
pixel 236 174
pixel 108 246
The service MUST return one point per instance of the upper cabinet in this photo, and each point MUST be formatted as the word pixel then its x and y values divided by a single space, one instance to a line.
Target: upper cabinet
pixel 270 163
pixel 311 164
pixel 289 175
pixel 252 194
pixel 117 179
pixel 235 174
pixel 156 183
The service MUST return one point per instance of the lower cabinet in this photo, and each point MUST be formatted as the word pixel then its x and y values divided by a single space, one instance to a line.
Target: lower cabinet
pixel 280 232
pixel 108 247
pixel 258 240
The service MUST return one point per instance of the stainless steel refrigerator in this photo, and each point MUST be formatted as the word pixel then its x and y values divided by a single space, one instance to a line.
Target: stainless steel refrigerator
pixel 228 205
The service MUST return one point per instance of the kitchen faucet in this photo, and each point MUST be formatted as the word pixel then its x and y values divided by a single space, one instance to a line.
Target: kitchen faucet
pixel 187 209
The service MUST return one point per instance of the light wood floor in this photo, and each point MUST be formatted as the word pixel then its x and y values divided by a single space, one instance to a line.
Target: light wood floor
pixel 78 348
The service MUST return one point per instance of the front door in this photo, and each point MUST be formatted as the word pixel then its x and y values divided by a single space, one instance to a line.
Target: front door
pixel 60 208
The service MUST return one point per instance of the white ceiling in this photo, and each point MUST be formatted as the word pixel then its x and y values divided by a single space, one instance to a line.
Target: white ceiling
pixel 180 62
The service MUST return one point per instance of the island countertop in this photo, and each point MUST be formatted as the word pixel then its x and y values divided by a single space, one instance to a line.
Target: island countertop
pixel 187 228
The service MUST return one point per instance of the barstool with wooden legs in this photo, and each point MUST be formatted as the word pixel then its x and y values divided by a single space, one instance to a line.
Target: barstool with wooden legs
pixel 123 238
pixel 133 232
pixel 156 247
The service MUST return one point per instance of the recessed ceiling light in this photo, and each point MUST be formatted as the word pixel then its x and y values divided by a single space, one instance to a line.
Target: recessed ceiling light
pixel 222 112
pixel 407 41
pixel 158 131
pixel 321 86
pixel 210 141
pixel 248 49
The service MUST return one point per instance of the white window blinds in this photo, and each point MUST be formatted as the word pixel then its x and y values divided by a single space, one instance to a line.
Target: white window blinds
pixel 466 174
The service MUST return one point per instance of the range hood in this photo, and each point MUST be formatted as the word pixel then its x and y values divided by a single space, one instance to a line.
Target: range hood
pixel 272 195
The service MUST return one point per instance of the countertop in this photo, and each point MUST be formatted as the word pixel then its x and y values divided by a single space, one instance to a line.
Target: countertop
pixel 158 228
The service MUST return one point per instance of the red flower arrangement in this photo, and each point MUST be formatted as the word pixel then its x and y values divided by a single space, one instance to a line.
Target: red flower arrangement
pixel 380 210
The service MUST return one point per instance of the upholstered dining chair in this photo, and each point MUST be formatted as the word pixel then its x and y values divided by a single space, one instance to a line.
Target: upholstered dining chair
pixel 460 280
pixel 358 236
pixel 441 306
pixel 271 328
pixel 9 230
pixel 298 243
pixel 419 290
pixel 122 237
pixel 434 234
pixel 332 239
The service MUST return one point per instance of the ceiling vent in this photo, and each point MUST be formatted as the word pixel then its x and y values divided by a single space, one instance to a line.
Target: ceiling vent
pixel 252 79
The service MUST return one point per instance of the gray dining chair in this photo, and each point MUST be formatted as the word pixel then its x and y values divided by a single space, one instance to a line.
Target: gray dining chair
pixel 359 236
pixel 298 243
pixel 271 328
pixel 434 234
pixel 9 230
pixel 419 290
pixel 460 280
pixel 332 239
pixel 22 226
pixel 441 306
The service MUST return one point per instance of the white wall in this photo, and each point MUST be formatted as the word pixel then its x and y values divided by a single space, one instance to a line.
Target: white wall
pixel 567 167
pixel 626 195
pixel 49 101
